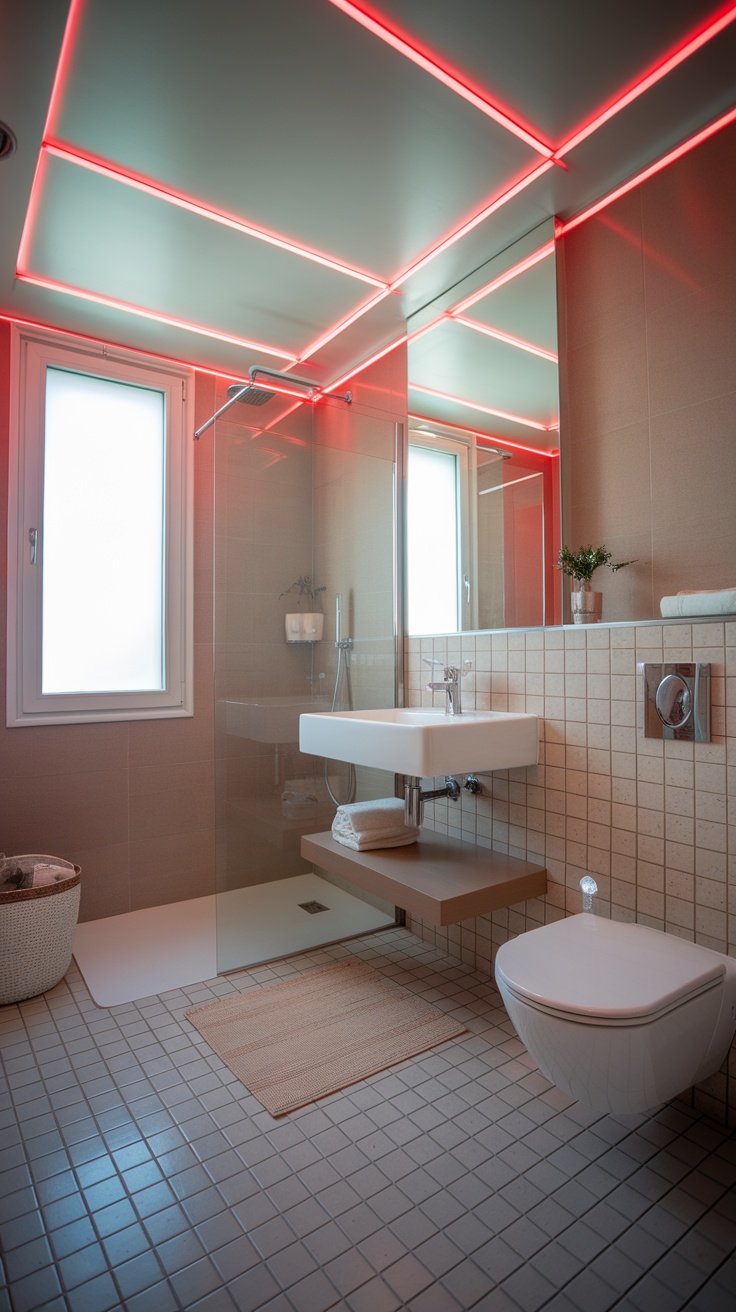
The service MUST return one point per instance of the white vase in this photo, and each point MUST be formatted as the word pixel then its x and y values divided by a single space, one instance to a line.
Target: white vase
pixel 304 626
pixel 587 606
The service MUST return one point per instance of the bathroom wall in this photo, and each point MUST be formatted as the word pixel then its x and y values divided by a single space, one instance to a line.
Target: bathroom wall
pixel 654 822
pixel 132 803
pixel 647 296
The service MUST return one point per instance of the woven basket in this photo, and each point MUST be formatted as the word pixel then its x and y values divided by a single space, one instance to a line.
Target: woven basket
pixel 37 933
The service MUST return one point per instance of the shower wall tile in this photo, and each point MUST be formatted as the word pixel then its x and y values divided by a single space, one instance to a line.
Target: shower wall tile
pixel 604 273
pixel 171 867
pixel 649 819
pixel 191 738
pixel 108 892
pixel 598 404
pixel 50 816
pixel 62 749
pixel 683 258
pixel 682 531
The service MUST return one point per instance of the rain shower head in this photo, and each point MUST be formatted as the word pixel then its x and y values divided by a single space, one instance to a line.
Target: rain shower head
pixel 249 395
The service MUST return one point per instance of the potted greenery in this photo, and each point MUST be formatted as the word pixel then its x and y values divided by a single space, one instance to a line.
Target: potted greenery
pixel 587 605
pixel 304 625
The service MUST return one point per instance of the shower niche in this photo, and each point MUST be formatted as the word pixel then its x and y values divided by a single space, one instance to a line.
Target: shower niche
pixel 297 489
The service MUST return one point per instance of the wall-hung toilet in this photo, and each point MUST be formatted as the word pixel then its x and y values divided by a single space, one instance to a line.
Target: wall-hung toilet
pixel 620 1016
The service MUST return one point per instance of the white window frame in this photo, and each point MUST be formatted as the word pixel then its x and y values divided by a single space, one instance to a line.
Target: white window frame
pixel 32 350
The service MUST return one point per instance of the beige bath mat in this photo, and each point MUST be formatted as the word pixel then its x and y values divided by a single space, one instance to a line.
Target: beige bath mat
pixel 293 1042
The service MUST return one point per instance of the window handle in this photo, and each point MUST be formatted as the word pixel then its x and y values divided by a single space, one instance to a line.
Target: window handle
pixel 33 539
pixel 466 585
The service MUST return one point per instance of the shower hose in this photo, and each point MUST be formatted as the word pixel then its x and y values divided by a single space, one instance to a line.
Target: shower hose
pixel 342 701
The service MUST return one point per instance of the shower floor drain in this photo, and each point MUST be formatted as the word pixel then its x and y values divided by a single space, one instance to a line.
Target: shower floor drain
pixel 312 907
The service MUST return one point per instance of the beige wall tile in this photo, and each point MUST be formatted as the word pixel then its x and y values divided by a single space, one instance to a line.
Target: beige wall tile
pixel 171 868
pixel 648 819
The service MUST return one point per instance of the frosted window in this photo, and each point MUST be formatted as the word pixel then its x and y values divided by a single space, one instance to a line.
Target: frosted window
pixel 432 541
pixel 103 539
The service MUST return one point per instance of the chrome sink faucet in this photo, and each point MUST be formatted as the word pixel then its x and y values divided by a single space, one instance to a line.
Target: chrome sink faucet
pixel 450 684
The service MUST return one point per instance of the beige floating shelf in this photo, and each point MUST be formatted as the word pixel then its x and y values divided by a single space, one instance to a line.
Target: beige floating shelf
pixel 441 880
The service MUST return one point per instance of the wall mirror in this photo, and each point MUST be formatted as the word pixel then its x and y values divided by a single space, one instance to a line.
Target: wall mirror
pixel 483 503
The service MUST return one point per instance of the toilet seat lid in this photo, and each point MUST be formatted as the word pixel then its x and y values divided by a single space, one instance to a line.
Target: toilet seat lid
pixel 604 969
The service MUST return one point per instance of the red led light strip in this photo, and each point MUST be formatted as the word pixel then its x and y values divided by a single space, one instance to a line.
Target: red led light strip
pixel 365 364
pixel 689 47
pixel 74 18
pixel 52 146
pixel 527 263
pixel 503 337
pixel 484 409
pixel 487 438
pixel 435 70
pixel 683 149
pixel 172 197
pixel 471 223
pixel 340 328
pixel 49 284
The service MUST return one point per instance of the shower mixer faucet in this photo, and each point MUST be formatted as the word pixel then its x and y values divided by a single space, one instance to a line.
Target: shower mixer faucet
pixel 449 684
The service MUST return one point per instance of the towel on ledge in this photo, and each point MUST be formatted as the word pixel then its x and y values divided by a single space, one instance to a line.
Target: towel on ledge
pixel 366 825
pixel 719 601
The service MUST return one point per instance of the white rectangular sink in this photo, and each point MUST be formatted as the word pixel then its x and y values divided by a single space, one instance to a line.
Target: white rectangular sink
pixel 423 743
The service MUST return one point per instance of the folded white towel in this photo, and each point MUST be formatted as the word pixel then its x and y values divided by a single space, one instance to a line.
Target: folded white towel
pixel 379 813
pixel 721 601
pixel 399 840
pixel 364 825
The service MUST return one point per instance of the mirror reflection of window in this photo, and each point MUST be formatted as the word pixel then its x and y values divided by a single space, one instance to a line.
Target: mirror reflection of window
pixel 510 543
pixel 437 575
pixel 483 368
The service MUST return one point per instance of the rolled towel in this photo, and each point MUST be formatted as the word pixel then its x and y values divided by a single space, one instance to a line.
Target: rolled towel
pixel 365 825
pixel 721 601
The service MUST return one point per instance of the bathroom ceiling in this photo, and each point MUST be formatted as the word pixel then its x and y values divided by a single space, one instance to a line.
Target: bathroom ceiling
pixel 284 184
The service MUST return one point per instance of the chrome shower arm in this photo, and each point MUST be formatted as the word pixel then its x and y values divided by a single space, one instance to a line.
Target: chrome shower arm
pixel 281 377
pixel 314 388
pixel 203 429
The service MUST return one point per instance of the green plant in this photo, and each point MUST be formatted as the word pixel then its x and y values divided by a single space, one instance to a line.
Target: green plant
pixel 581 565
pixel 304 585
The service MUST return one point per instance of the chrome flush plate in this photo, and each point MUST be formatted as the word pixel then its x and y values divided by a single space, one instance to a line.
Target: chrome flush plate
pixel 677 700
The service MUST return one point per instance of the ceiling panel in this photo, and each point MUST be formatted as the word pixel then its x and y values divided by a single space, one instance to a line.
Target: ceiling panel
pixel 289 115
pixel 108 238
pixel 296 118
pixel 693 95
pixel 551 66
